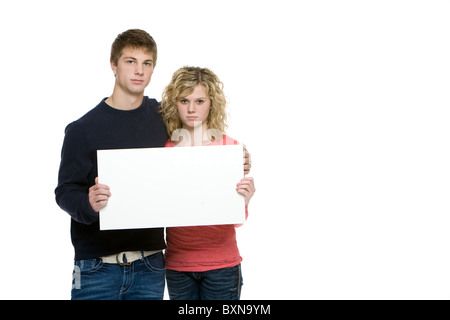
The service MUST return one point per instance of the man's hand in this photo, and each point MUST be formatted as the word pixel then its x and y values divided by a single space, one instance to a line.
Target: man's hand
pixel 98 195
pixel 247 161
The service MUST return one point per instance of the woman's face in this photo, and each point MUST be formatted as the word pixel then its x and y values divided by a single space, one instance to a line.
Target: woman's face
pixel 194 108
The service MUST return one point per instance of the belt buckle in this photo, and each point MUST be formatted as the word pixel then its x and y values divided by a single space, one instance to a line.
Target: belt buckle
pixel 122 264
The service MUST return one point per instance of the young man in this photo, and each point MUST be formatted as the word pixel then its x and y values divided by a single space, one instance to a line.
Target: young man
pixel 120 264
pixel 125 264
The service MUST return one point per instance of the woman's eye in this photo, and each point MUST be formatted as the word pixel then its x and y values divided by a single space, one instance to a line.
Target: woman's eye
pixel 200 101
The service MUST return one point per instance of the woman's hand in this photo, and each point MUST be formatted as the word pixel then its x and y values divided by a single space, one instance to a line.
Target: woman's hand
pixel 247 161
pixel 246 187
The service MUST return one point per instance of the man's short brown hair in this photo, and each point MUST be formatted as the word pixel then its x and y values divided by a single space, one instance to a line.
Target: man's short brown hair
pixel 136 39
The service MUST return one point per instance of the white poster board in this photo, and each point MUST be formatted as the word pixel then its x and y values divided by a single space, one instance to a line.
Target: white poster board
pixel 168 187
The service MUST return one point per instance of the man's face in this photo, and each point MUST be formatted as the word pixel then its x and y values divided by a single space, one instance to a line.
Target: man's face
pixel 133 71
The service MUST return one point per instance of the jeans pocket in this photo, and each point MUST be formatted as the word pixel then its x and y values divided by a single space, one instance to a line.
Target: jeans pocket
pixel 84 267
pixel 90 265
pixel 155 262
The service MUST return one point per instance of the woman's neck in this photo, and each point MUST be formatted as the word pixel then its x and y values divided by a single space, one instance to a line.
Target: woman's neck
pixel 197 135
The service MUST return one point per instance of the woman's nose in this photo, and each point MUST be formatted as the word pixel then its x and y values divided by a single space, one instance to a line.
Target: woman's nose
pixel 191 108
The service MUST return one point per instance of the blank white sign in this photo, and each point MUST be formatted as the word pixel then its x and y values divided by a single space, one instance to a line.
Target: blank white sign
pixel 168 187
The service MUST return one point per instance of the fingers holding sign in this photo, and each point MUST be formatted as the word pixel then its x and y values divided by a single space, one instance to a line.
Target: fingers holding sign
pixel 99 195
pixel 247 161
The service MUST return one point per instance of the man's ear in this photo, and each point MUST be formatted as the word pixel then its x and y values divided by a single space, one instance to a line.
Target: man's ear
pixel 113 67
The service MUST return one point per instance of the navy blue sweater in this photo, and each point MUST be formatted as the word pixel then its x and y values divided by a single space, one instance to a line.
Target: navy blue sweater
pixel 104 128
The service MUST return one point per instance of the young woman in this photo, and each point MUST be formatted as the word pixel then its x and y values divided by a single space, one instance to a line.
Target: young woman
pixel 203 263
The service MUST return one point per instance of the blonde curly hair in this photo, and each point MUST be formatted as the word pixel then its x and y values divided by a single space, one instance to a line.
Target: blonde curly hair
pixel 183 82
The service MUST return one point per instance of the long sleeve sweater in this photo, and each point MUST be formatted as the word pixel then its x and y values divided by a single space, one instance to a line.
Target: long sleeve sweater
pixel 104 128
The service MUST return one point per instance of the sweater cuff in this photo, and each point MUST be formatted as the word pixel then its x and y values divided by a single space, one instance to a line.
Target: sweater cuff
pixel 89 215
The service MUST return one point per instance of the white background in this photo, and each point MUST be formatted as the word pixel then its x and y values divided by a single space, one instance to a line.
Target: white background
pixel 344 106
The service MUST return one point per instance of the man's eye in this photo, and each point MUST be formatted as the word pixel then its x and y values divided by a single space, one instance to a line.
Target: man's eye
pixel 130 61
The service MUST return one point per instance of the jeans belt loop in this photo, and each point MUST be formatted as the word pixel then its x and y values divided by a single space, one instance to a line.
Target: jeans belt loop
pixel 124 257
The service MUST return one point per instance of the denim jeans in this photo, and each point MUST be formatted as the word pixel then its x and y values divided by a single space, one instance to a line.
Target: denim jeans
pixel 142 280
pixel 220 284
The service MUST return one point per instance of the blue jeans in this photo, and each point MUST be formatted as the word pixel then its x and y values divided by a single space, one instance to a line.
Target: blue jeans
pixel 142 280
pixel 220 284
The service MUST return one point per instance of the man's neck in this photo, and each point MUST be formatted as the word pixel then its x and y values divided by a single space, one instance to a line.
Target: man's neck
pixel 121 101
